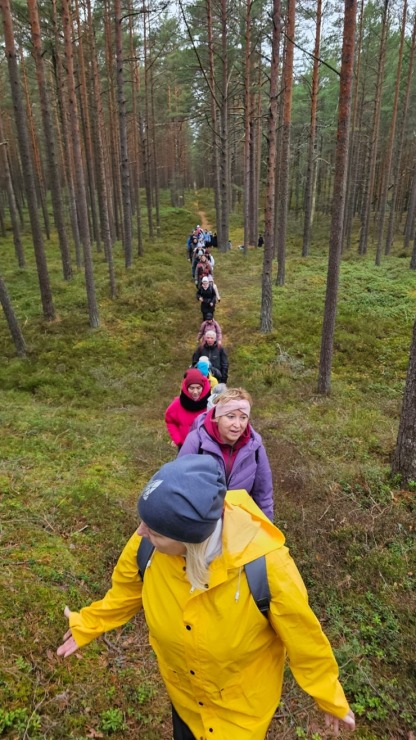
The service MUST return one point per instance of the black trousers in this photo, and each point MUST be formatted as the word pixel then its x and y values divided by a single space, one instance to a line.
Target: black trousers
pixel 181 731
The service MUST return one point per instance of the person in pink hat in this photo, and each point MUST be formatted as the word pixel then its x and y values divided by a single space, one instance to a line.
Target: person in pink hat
pixel 185 408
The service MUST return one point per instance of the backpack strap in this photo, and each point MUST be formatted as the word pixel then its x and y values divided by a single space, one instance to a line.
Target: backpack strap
pixel 144 553
pixel 256 574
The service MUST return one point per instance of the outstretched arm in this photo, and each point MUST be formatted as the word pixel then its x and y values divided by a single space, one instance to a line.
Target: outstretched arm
pixel 119 605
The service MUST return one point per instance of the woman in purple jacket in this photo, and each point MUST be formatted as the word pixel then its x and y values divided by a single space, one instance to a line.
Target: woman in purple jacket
pixel 225 433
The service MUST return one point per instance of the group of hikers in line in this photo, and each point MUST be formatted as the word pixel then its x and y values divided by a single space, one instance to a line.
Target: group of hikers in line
pixel 224 602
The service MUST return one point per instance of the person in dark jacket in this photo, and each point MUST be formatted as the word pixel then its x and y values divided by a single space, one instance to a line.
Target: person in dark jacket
pixel 207 297
pixel 216 355
pixel 225 433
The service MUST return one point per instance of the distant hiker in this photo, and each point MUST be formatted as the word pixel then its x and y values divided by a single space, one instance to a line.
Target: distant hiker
pixel 221 660
pixel 216 355
pixel 214 240
pixel 204 366
pixel 196 256
pixel 203 268
pixel 207 297
pixel 260 242
pixel 210 259
pixel 191 402
pixel 191 244
pixel 225 433
pixel 216 391
pixel 210 325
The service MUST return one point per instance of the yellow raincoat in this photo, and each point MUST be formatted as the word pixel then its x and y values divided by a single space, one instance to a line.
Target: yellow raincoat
pixel 221 660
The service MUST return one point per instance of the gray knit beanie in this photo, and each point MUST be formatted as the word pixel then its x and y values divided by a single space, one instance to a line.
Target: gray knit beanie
pixel 184 499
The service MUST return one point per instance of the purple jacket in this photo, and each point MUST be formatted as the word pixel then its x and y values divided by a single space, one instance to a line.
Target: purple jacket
pixel 251 469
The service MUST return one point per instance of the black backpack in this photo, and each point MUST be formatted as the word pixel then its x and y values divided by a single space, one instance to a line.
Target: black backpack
pixel 256 574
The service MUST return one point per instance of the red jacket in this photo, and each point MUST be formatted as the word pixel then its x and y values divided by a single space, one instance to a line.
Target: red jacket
pixel 181 413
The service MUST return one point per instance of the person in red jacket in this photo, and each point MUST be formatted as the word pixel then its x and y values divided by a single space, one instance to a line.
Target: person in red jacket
pixel 184 409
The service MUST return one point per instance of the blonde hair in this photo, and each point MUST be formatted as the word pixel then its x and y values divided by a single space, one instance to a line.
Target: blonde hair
pixel 197 570
pixel 232 394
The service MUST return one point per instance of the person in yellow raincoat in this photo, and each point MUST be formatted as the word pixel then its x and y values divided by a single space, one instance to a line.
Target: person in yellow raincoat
pixel 221 660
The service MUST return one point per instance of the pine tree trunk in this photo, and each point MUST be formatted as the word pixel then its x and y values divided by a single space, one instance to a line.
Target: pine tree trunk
pixel 404 458
pixel 284 162
pixel 101 179
pixel 50 149
pixel 392 133
pixel 86 126
pixel 116 229
pixel 79 172
pixel 14 215
pixel 411 210
pixel 247 126
pixel 147 153
pixel 135 81
pixel 398 154
pixel 155 176
pixel 355 143
pixel 36 159
pixel 214 118
pixel 124 154
pixel 26 160
pixel 67 148
pixel 11 319
pixel 338 203
pixel 223 230
pixel 266 319
pixel 374 136
pixel 312 136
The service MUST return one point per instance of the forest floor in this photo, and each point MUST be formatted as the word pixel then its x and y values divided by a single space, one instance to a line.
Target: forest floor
pixel 81 429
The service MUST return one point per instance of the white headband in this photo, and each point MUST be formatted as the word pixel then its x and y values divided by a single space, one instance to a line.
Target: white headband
pixel 221 409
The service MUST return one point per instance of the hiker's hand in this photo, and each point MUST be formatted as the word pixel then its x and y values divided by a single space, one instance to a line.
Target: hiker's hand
pixel 333 723
pixel 69 645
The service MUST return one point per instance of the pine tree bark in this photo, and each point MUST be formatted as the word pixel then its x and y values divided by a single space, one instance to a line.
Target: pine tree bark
pixel 266 319
pixel 99 147
pixel 116 229
pixel 312 136
pixel 404 458
pixel 124 154
pixel 284 162
pixel 247 125
pixel 50 149
pixel 398 155
pixel 36 158
pixel 14 215
pixel 390 143
pixel 79 171
pixel 338 201
pixel 223 225
pixel 86 127
pixel 11 319
pixel 135 81
pixel 214 118
pixel 374 137
pixel 355 141
pixel 67 148
pixel 26 160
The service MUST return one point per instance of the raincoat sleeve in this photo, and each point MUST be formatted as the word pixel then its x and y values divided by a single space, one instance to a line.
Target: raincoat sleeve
pixel 171 419
pixel 311 659
pixel 121 602
pixel 262 490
